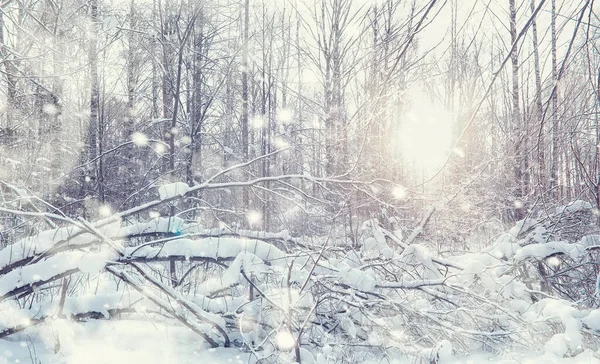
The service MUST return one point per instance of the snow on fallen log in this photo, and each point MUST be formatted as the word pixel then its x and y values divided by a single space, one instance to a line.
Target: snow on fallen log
pixel 542 251
pixel 414 284
pixel 592 320
pixel 574 206
pixel 213 247
pixel 82 316
pixel 172 190
pixel 418 262
pixel 84 306
pixel 357 279
pixel 218 305
pixel 47 242
pixel 167 225
pixel 27 278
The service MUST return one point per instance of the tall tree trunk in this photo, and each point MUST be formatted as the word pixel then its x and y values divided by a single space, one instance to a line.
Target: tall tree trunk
pixel 195 145
pixel 539 112
pixel 554 169
pixel 131 68
pixel 166 86
pixel 244 122
pixel 265 130
pixel 296 140
pixel 518 133
pixel 94 124
pixel 173 131
pixel 11 79
pixel 56 157
pixel 597 150
pixel 8 129
pixel 154 52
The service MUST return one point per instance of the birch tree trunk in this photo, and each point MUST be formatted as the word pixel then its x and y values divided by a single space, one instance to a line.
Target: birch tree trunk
pixel 518 133
pixel 244 121
pixel 554 168
pixel 539 112
pixel 94 126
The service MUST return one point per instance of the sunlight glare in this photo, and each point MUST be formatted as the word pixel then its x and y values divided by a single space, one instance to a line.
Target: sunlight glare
pixel 425 134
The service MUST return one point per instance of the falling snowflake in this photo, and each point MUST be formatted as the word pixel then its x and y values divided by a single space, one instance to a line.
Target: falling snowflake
pixel 160 148
pixel 399 192
pixel 285 115
pixel 258 122
pixel 139 139
pixel 104 211
pixel 553 262
pixel 50 109
pixel 254 217
pixel 285 340
pixel 280 143
pixel 186 140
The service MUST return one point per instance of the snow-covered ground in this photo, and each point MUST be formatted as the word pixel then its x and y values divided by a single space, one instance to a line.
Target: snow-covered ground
pixel 128 341
pixel 117 342
pixel 256 297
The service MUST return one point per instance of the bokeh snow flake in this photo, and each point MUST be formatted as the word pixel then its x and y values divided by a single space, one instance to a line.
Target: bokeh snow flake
pixel 399 192
pixel 104 211
pixel 285 340
pixel 280 143
pixel 553 262
pixel 254 217
pixel 285 115
pixel 160 148
pixel 258 122
pixel 186 140
pixel 50 109
pixel 139 139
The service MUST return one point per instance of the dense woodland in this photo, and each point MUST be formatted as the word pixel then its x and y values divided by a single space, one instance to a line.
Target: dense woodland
pixel 327 181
